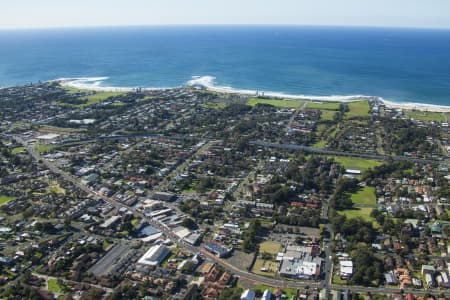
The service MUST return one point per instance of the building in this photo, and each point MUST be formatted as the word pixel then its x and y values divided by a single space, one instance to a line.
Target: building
pixel 443 279
pixel 390 278
pixel 267 295
pixel 217 250
pixel 248 295
pixel 193 238
pixel 429 280
pixel 164 196
pixel 300 262
pixel 300 268
pixel 154 256
pixel 110 222
pixel 428 269
pixel 346 268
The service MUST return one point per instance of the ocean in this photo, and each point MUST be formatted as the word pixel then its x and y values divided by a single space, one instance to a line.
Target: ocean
pixel 401 65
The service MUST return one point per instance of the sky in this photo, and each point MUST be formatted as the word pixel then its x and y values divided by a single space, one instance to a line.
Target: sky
pixel 89 13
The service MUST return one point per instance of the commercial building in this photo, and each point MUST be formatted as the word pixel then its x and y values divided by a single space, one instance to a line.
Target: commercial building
pixel 218 250
pixel 110 222
pixel 164 196
pixel 154 256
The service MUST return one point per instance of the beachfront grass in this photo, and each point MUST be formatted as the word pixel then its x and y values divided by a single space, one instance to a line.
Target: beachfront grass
pixel 286 103
pixel 100 97
pixel 18 150
pixel 74 90
pixel 5 199
pixel 270 247
pixel 358 109
pixel 323 105
pixel 365 196
pixel 361 164
pixel 426 116
pixel 95 98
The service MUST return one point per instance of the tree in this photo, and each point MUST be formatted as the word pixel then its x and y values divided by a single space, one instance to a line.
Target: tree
pixel 189 223
pixel 249 244
pixel 233 293
pixel 67 223
pixel 368 268
pixel 188 267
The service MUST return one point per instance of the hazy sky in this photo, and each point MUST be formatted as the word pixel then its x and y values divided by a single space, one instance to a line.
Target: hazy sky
pixel 76 13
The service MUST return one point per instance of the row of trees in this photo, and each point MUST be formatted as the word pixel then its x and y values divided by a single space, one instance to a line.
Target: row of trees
pixel 341 198
pixel 250 236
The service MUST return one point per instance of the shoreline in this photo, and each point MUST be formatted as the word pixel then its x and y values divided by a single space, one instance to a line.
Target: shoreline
pixel 207 83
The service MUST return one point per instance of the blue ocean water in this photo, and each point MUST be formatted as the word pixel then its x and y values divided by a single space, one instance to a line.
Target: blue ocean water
pixel 404 65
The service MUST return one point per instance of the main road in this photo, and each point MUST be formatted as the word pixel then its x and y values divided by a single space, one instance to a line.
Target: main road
pixel 322 151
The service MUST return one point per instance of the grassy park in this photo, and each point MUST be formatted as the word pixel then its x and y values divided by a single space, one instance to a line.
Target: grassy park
pixel 327 115
pixel 5 199
pixel 269 266
pixel 99 97
pixel 96 97
pixel 42 148
pixel 365 196
pixel 356 163
pixel 18 150
pixel 358 109
pixel 323 105
pixel 270 247
pixel 425 115
pixel 359 212
pixel 54 286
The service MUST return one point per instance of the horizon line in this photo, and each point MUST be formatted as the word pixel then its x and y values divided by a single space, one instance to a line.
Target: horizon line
pixel 219 25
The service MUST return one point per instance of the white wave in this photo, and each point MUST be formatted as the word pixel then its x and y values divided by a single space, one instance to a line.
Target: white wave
pixel 209 82
pixel 95 83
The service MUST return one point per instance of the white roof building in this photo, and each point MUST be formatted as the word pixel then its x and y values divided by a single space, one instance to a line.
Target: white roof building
pixel 248 295
pixel 346 268
pixel 154 256
pixel 48 137
pixel 267 295
pixel 109 222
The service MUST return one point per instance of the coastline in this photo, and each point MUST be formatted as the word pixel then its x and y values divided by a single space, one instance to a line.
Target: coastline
pixel 207 83
pixel 94 84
